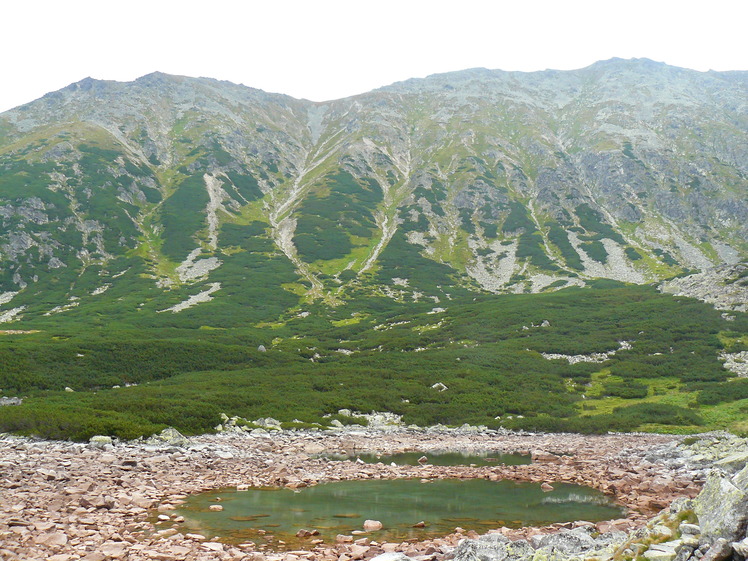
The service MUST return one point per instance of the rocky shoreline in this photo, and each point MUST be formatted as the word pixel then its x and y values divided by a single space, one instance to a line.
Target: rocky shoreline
pixel 67 501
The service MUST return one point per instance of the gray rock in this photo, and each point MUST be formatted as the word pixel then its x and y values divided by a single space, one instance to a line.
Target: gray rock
pixel 722 508
pixel 566 542
pixel 684 553
pixel 612 538
pixel 680 504
pixel 268 423
pixel 493 547
pixel 740 479
pixel 741 547
pixel 734 462
pixel 720 551
pixel 169 437
pixel 690 529
pixel 660 552
pixel 100 442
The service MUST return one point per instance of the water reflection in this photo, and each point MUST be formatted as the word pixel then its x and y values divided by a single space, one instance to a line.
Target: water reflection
pixel 436 458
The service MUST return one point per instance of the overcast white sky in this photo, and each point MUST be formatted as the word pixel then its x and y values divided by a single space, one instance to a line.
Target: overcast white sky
pixel 326 49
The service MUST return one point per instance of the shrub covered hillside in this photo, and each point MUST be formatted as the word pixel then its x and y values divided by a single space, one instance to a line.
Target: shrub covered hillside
pixel 610 357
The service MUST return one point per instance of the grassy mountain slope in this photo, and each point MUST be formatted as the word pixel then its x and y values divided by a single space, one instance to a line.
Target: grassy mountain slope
pixel 351 238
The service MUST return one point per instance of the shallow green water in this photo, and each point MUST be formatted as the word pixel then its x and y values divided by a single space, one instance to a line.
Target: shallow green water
pixel 269 515
pixel 437 458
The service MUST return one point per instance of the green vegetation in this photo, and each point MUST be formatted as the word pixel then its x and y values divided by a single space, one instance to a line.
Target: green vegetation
pixel 246 185
pixel 182 217
pixel 627 390
pixel 592 221
pixel 558 236
pixel 530 244
pixel 596 250
pixel 531 248
pixel 187 375
pixel 95 232
pixel 623 419
pixel 328 219
pixel 632 254
pixel 725 392
pixel 518 219
pixel 666 257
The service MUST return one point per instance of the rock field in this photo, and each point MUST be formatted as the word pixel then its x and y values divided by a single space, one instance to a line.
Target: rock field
pixel 65 501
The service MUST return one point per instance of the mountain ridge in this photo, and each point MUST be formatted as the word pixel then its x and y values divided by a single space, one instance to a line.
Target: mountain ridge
pixel 628 170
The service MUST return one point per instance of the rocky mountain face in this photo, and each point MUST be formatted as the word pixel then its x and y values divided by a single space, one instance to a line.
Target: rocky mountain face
pixel 169 192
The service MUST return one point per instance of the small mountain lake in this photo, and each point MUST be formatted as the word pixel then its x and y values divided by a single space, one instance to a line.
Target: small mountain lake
pixel 436 458
pixel 270 514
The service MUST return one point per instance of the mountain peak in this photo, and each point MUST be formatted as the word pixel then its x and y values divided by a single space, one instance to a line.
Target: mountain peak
pixel 87 84
pixel 158 77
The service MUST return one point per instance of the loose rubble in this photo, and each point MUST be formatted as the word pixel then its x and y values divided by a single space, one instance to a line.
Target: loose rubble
pixel 724 287
pixel 114 500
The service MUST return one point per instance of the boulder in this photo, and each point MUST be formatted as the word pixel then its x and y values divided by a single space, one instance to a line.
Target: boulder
pixel 734 462
pixel 612 538
pixel 660 552
pixel 169 437
pixel 493 547
pixel 722 507
pixel 100 442
pixel 740 479
pixel 720 550
pixel 372 525
pixel 684 553
pixel 689 529
pixel 268 423
pixel 566 542
pixel 741 547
